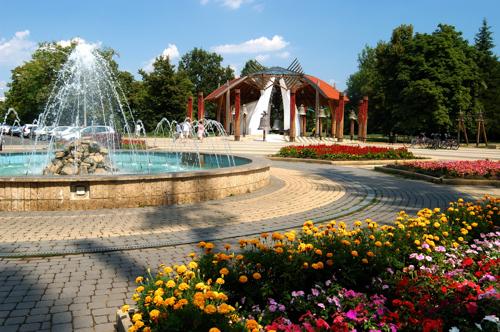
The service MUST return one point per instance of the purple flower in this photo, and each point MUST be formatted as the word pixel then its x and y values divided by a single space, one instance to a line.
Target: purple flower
pixel 351 314
pixel 297 293
pixel 272 308
pixel 440 249
pixel 321 305
pixel 315 292
pixel 425 246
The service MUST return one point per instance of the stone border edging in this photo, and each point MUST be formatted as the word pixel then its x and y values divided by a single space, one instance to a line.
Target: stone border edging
pixel 440 180
pixel 344 162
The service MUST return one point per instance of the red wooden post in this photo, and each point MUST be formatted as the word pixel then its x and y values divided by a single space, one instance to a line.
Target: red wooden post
pixel 333 116
pixel 361 114
pixel 340 118
pixel 189 111
pixel 201 106
pixel 365 125
pixel 237 114
pixel 292 116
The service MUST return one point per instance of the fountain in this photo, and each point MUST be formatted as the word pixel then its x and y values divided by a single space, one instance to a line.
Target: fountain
pixel 102 160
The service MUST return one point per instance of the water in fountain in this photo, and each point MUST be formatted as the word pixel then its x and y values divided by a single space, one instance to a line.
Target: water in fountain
pixel 187 148
pixel 87 98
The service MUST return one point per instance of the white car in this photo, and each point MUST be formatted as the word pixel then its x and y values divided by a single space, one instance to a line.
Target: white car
pixel 57 131
pixel 29 130
pixel 91 131
pixel 43 132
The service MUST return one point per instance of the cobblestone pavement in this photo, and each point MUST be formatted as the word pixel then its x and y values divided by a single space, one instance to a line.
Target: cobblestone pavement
pixel 81 292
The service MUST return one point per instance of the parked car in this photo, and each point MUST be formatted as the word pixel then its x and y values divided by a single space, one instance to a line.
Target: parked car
pixel 70 133
pixel 5 129
pixel 105 135
pixel 29 130
pixel 43 132
pixel 58 131
pixel 16 131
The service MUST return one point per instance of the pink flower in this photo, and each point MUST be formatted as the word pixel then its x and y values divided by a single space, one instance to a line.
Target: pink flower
pixel 352 315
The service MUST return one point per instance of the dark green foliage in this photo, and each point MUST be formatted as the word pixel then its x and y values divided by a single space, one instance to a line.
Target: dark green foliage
pixel 418 82
pixel 249 67
pixel 163 93
pixel 205 71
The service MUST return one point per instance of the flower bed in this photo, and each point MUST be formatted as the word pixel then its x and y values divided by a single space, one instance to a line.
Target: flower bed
pixel 344 152
pixel 469 169
pixel 133 143
pixel 437 271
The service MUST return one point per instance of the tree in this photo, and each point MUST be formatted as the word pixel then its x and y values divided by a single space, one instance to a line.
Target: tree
pixel 33 81
pixel 486 92
pixel 205 71
pixel 250 66
pixel 163 93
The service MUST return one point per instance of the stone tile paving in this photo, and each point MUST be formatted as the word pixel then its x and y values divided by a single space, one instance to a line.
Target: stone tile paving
pixel 82 292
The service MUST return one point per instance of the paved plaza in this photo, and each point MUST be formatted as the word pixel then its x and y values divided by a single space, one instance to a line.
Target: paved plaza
pixel 71 270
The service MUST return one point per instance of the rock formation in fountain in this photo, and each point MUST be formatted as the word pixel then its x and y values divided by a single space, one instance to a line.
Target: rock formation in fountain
pixel 80 158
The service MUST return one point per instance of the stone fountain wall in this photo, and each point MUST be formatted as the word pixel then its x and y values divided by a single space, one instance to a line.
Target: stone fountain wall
pixel 80 158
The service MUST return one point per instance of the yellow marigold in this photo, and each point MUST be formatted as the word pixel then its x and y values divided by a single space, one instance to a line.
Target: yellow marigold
pixel 139 324
pixel 252 324
pixel 159 282
pixel 136 317
pixel 125 308
pixel 139 280
pixel 243 279
pixel 214 329
pixel 169 301
pixel 461 239
pixel 210 309
pixel 219 281
pixel 181 269
pixel 387 244
pixel 464 231
pixel 132 329
pixel 227 246
pixel 225 309
pixel 305 265
pixel 278 250
pixel 437 225
pixel 224 271
pixel 239 257
pixel 277 236
pixel 256 276
pixel 148 299
pixel 357 223
pixel 136 297
pixel 264 235
pixel 417 242
pixel 192 255
pixel 318 252
pixel 445 234
pixel 474 224
pixel 154 314
pixel 170 284
pixel 472 213
pixel 378 244
pixel 370 254
pixel 168 270
pixel 139 289
pixel 181 303
pixel 444 219
pixel 364 260
pixel 192 265
pixel 202 244
pixel 158 300
pixel 329 255
pixel 183 286
pixel 346 243
pixel 354 253
pixel 146 329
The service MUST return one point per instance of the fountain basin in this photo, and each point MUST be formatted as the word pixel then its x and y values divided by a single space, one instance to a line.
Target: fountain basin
pixel 39 193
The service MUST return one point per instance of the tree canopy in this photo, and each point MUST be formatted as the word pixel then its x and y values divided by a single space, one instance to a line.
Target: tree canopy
pixel 418 82
pixel 250 66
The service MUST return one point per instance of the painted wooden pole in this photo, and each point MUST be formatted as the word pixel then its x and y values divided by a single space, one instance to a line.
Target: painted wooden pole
pixel 201 106
pixel 361 115
pixel 333 116
pixel 316 111
pixel 228 109
pixel 189 111
pixel 340 118
pixel 292 116
pixel 365 124
pixel 237 114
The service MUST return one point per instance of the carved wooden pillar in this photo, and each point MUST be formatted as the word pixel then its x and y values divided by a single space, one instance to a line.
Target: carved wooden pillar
pixel 237 114
pixel 292 116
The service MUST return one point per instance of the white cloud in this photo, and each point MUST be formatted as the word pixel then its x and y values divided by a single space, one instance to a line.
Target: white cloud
pixel 262 44
pixel 171 52
pixel 262 57
pixel 16 50
pixel 283 55
pixel 231 4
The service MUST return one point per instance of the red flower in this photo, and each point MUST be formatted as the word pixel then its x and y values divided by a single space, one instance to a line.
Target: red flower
pixel 467 262
pixel 444 289
pixel 471 308
pixel 432 325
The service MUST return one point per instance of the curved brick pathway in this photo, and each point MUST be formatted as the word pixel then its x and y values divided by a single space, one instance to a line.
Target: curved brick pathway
pixel 82 291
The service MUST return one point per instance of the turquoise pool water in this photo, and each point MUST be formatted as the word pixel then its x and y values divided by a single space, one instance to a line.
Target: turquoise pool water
pixel 126 162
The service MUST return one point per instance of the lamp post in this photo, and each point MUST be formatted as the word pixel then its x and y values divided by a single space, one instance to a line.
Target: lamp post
pixel 321 116
pixel 264 124
pixel 245 113
pixel 352 118
pixel 302 114
pixel 233 113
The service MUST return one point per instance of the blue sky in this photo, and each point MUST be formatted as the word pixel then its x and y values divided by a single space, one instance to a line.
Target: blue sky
pixel 325 35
